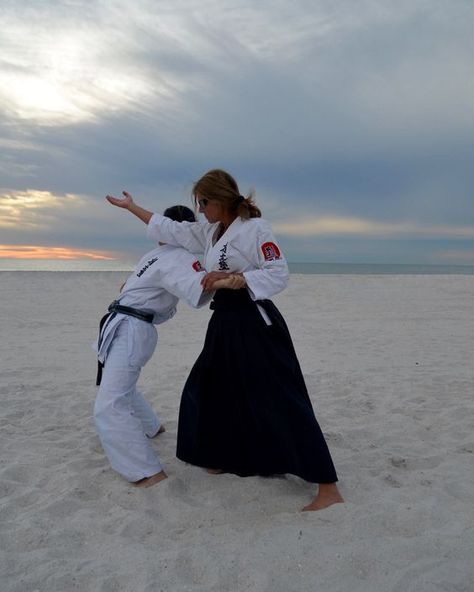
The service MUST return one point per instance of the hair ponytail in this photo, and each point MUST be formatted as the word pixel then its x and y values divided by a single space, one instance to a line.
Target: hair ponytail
pixel 246 208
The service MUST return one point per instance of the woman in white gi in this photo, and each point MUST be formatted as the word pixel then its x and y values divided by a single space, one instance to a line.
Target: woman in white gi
pixel 245 408
pixel 124 420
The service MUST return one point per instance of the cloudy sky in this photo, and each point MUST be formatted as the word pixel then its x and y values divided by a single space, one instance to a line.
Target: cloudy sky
pixel 353 121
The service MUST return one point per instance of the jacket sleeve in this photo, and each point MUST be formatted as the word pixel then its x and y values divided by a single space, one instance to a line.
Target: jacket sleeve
pixel 190 235
pixel 270 275
pixel 183 279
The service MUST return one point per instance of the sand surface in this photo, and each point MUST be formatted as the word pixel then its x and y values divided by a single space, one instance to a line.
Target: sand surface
pixel 389 364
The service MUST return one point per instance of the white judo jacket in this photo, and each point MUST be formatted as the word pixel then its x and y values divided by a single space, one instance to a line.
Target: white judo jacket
pixel 162 277
pixel 248 246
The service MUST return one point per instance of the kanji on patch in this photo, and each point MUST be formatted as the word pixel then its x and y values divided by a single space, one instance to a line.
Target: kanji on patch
pixel 270 251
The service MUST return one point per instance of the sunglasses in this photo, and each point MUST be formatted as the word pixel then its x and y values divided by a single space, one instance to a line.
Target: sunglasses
pixel 203 202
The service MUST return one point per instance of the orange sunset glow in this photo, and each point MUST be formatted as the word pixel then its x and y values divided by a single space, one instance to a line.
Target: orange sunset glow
pixel 41 252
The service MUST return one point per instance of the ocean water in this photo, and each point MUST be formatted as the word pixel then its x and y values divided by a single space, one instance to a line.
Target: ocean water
pixel 305 268
pixel 380 269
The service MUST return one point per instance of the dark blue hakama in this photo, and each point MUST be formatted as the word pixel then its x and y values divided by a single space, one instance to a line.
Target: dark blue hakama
pixel 245 408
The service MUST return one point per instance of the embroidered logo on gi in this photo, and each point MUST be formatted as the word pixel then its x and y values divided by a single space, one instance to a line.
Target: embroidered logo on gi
pixel 197 265
pixel 223 266
pixel 145 267
pixel 270 251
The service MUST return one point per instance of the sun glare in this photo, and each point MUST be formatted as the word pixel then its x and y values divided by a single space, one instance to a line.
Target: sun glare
pixel 335 226
pixel 69 77
pixel 40 99
pixel 41 252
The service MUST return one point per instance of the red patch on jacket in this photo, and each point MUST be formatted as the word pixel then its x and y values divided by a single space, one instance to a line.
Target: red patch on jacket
pixel 270 251
pixel 197 265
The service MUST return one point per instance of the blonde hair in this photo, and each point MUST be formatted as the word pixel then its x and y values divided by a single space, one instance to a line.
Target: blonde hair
pixel 218 185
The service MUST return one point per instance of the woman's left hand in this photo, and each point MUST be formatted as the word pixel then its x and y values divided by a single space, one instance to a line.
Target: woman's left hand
pixel 211 277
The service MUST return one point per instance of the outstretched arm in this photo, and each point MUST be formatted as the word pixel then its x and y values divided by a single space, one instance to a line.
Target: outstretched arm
pixel 190 235
pixel 128 204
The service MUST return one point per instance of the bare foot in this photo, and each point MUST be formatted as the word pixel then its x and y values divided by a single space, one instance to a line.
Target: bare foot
pixel 214 471
pixel 160 431
pixel 328 494
pixel 153 480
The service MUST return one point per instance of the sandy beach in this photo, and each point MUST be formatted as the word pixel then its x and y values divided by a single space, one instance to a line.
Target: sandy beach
pixel 388 362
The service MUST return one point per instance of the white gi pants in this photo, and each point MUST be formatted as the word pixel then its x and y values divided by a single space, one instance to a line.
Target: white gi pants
pixel 122 417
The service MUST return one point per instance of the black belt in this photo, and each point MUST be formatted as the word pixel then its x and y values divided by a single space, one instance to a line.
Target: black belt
pixel 131 312
pixel 100 365
pixel 113 309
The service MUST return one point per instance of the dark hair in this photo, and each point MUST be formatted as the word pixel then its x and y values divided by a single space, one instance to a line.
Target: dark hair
pixel 180 214
pixel 219 186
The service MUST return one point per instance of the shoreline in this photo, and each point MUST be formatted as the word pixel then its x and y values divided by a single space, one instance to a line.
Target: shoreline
pixel 296 268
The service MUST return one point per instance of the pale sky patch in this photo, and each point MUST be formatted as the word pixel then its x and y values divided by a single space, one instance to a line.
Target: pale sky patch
pixel 456 256
pixel 335 226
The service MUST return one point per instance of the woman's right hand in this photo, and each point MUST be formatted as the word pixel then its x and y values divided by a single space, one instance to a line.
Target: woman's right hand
pixel 231 282
pixel 125 202
pixel 208 280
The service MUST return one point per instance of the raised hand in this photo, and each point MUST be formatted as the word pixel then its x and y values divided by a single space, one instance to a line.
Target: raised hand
pixel 127 203
pixel 124 202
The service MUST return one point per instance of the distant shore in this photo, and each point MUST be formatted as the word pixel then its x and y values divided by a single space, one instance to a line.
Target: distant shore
pixel 295 267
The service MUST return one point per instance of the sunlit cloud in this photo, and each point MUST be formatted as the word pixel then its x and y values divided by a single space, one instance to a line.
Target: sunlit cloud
pixel 43 252
pixel 33 209
pixel 72 76
pixel 340 226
